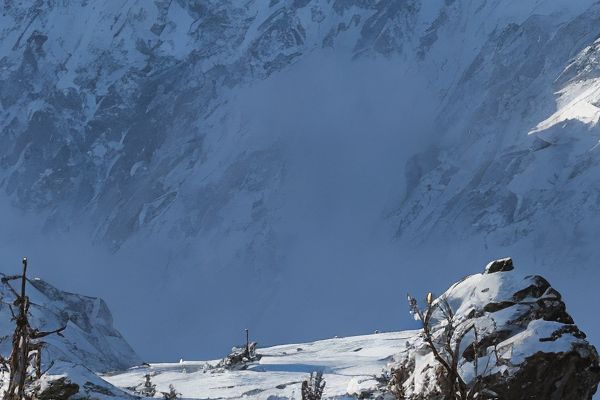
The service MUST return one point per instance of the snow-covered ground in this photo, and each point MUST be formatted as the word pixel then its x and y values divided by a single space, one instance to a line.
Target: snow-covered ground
pixel 515 327
pixel 348 364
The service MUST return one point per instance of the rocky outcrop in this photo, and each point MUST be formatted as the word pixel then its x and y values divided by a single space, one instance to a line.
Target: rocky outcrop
pixel 523 343
pixel 90 339
pixel 60 389
pixel 67 381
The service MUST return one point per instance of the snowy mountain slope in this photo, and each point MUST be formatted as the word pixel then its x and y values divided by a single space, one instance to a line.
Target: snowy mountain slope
pixel 254 146
pixel 522 318
pixel 89 339
pixel 281 370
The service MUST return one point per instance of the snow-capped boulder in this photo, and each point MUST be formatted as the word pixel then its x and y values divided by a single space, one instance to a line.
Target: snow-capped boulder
pixel 90 339
pixel 519 341
pixel 68 381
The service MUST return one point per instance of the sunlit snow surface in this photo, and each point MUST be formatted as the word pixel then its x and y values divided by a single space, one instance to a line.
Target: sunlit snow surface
pixel 349 364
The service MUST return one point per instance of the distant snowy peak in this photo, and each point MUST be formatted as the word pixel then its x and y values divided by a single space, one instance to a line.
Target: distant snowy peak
pixel 90 339
pixel 109 111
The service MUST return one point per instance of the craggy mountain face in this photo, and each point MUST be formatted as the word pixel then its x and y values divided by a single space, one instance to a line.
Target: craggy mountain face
pixel 247 140
pixel 518 157
pixel 119 114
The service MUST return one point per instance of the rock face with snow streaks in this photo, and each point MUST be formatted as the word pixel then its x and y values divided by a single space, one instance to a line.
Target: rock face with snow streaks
pixel 115 114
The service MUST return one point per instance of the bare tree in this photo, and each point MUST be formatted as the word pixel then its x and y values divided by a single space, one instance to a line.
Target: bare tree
pixel 26 344
pixel 148 389
pixel 396 383
pixel 312 389
pixel 446 347
pixel 171 394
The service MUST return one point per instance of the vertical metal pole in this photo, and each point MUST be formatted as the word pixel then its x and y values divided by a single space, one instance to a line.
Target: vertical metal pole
pixel 247 343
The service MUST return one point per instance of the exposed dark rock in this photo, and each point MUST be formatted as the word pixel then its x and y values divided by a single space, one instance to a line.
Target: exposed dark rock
pixel 493 307
pixel 486 342
pixel 536 289
pixel 551 376
pixel 60 389
pixel 502 265
pixel 92 387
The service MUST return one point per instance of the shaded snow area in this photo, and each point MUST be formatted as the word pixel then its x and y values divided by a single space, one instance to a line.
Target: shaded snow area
pixel 349 364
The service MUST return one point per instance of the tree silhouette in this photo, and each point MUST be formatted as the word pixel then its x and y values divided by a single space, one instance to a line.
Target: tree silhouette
pixel 312 389
pixel 26 343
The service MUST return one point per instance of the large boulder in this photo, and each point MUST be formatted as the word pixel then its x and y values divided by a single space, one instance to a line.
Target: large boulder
pixel 523 344
pixel 65 381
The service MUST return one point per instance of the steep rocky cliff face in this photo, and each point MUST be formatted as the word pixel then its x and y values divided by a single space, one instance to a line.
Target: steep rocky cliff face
pixel 172 126
pixel 111 111
pixel 118 113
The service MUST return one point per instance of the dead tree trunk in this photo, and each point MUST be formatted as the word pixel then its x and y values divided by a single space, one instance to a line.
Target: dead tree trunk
pixel 26 349
pixel 446 349
pixel 312 389
pixel 19 357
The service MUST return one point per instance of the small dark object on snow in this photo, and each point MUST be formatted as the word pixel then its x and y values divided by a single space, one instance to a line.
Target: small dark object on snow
pixel 240 356
pixel 149 389
pixel 502 265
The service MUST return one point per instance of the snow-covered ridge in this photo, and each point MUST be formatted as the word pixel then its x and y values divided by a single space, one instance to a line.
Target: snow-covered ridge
pixel 527 347
pixel 527 342
pixel 346 362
